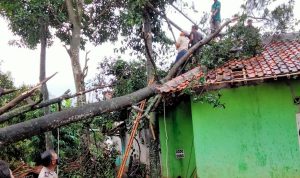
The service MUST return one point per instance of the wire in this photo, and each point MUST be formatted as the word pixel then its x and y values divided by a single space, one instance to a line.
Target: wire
pixel 58 138
pixel 167 149
pixel 57 170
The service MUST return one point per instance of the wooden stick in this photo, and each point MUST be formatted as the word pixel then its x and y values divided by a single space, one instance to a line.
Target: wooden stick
pixel 152 131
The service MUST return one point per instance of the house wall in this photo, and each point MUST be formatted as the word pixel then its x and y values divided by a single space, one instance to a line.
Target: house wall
pixel 179 135
pixel 255 136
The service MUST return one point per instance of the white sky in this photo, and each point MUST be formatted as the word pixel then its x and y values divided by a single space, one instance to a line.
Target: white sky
pixel 24 63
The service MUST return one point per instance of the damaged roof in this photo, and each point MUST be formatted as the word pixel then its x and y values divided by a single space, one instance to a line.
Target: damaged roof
pixel 279 59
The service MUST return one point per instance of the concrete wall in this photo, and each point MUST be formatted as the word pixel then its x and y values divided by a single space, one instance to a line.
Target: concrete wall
pixel 255 136
pixel 179 135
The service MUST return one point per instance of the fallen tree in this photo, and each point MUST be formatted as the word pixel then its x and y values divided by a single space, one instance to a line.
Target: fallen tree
pixel 20 131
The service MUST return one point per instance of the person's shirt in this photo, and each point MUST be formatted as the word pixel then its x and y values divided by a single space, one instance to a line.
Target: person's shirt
pixel 216 6
pixel 182 43
pixel 46 173
pixel 195 37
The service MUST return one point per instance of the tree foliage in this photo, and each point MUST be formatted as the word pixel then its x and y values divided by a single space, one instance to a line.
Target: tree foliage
pixel 278 18
pixel 26 18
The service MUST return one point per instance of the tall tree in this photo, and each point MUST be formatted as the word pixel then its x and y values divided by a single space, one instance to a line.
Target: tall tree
pixel 36 14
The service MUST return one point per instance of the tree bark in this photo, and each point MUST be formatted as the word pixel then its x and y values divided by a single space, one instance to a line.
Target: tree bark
pixel 75 19
pixel 37 126
pixel 148 48
pixel 151 69
pixel 44 89
pixel 75 9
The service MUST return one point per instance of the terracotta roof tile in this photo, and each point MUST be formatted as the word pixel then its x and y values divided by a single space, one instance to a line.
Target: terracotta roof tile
pixel 277 59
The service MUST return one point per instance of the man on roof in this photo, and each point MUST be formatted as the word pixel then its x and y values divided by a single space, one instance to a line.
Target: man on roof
pixel 215 16
pixel 195 37
pixel 182 45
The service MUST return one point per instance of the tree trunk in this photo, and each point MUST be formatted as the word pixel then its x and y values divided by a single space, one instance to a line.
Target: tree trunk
pixel 148 48
pixel 52 121
pixel 77 72
pixel 44 90
pixel 75 19
pixel 153 149
pixel 74 51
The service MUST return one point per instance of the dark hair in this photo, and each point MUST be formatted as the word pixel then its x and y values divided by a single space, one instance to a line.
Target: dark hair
pixel 46 157
pixel 4 170
pixel 195 27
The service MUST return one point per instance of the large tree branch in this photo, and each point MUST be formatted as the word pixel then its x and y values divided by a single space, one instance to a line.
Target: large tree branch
pixel 70 8
pixel 23 96
pixel 37 105
pixel 186 17
pixel 6 91
pixel 164 16
pixel 37 126
pixel 183 14
pixel 79 6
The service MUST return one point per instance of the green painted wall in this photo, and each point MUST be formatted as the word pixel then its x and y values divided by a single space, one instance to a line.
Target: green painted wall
pixel 180 136
pixel 255 136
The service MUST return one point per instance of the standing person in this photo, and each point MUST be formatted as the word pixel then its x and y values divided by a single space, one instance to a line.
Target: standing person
pixel 49 161
pixel 182 45
pixel 249 23
pixel 252 40
pixel 5 172
pixel 215 16
pixel 195 37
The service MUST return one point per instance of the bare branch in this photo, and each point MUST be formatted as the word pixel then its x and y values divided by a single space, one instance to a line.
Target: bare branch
pixel 183 14
pixel 37 105
pixel 79 6
pixel 259 18
pixel 68 50
pixel 6 91
pixel 71 12
pixel 164 16
pixel 23 96
pixel 170 28
pixel 146 36
pixel 85 68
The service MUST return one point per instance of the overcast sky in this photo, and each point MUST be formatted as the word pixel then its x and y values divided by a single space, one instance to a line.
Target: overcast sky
pixel 24 63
